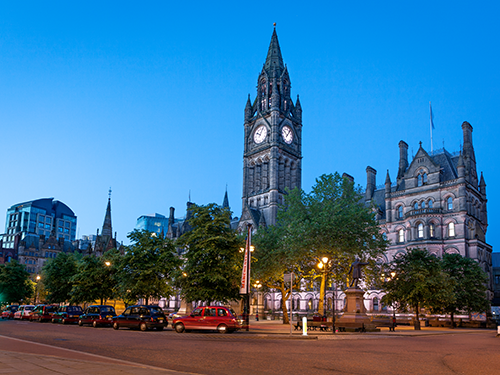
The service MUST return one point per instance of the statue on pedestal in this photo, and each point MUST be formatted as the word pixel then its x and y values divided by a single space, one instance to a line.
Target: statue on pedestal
pixel 356 272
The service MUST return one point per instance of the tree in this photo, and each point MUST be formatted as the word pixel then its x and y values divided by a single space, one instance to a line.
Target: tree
pixel 149 267
pixel 212 262
pixel 15 283
pixel 331 221
pixel 469 287
pixel 57 275
pixel 92 281
pixel 419 282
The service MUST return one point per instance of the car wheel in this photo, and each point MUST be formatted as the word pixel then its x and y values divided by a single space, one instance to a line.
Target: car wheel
pixel 94 324
pixel 222 328
pixel 80 323
pixel 159 328
pixel 143 327
pixel 63 321
pixel 40 319
pixel 53 320
pixel 179 328
pixel 116 326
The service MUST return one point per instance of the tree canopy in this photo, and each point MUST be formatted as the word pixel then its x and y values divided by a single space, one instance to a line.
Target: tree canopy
pixel 149 267
pixel 419 281
pixel 212 261
pixel 57 275
pixel 331 221
pixel 15 283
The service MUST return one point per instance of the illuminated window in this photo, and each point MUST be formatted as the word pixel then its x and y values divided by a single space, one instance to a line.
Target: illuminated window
pixel 431 230
pixel 420 230
pixel 450 203
pixel 451 230
pixel 401 235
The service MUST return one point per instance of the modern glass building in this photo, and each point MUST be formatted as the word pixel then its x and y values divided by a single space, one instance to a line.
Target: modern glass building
pixel 39 217
pixel 155 223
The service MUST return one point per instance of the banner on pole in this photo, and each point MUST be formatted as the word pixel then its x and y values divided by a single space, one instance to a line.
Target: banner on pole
pixel 244 274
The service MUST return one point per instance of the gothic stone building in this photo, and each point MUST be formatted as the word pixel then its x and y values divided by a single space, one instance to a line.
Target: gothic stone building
pixel 436 202
pixel 273 136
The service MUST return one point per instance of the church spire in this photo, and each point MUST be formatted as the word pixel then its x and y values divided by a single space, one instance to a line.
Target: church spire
pixel 107 229
pixel 225 203
pixel 274 60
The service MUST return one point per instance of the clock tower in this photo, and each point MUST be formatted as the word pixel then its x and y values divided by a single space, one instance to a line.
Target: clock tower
pixel 273 135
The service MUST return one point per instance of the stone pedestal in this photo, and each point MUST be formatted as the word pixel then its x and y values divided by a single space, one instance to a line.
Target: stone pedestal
pixel 355 312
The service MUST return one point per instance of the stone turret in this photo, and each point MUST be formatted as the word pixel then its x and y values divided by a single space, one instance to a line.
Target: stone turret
pixel 482 186
pixel 248 110
pixel 298 110
pixel 403 160
pixel 468 154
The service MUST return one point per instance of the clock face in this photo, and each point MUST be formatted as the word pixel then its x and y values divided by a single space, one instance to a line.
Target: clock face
pixel 287 134
pixel 260 134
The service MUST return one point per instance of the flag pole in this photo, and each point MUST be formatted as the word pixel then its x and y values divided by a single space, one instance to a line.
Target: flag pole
pixel 431 124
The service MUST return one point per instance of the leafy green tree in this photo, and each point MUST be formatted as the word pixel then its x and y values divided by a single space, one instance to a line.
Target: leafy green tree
pixel 57 275
pixel 419 282
pixel 331 221
pixel 212 262
pixel 469 287
pixel 15 283
pixel 149 267
pixel 93 281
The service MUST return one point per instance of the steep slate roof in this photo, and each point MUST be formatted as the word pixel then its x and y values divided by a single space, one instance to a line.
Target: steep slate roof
pixel 274 60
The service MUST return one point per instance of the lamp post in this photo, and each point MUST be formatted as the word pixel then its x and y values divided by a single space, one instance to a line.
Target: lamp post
pixel 325 266
pixel 257 286
pixel 245 276
pixel 38 277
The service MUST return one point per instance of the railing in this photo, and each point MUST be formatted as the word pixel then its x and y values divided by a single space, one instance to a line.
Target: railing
pixel 422 211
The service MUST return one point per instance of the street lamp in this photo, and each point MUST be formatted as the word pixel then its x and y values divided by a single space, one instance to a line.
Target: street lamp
pixel 257 286
pixel 38 277
pixel 107 263
pixel 325 266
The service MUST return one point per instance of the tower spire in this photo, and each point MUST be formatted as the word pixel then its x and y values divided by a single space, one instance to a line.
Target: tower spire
pixel 274 60
pixel 107 229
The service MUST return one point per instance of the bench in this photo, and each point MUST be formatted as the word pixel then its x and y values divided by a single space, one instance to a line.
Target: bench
pixel 356 327
pixel 314 325
pixel 384 323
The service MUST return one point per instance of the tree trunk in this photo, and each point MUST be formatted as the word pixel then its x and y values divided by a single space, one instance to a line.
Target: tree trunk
pixel 452 320
pixel 102 302
pixel 417 319
pixel 321 306
pixel 146 299
pixel 285 294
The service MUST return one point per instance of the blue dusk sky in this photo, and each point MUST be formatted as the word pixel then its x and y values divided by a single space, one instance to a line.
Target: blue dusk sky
pixel 148 97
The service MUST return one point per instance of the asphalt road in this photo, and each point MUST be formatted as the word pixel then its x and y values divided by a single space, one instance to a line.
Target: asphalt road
pixel 240 353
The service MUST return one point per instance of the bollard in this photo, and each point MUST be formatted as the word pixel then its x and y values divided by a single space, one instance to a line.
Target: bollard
pixel 498 330
pixel 304 326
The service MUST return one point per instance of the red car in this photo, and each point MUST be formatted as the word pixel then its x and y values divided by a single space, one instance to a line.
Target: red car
pixel 97 315
pixel 67 314
pixel 43 313
pixel 222 319
pixel 9 311
pixel 23 312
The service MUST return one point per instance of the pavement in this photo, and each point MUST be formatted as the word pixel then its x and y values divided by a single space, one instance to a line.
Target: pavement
pixel 25 357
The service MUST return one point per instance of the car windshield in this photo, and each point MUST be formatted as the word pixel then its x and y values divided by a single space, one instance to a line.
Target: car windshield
pixel 107 309
pixel 28 308
pixel 74 309
pixel 156 310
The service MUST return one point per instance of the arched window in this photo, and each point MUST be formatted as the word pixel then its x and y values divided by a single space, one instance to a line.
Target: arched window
pixel 451 230
pixel 432 230
pixel 400 212
pixel 420 230
pixel 415 206
pixel 297 303
pixel 375 304
pixel 419 180
pixel 430 204
pixel 310 304
pixel 401 235
pixel 265 304
pixel 422 204
pixel 424 178
pixel 450 203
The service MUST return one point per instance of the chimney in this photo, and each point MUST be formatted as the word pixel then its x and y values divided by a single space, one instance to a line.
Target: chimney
pixel 403 159
pixel 370 182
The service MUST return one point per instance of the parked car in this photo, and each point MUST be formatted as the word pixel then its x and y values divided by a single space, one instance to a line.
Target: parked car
pixel 143 317
pixel 43 313
pixel 97 315
pixel 222 319
pixel 23 312
pixel 8 312
pixel 67 314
